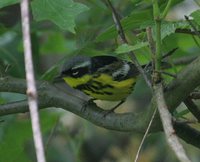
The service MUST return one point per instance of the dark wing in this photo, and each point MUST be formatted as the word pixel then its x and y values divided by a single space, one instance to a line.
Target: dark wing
pixel 134 71
pixel 117 68
pixel 102 61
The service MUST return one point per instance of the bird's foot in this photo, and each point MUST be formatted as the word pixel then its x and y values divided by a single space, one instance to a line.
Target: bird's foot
pixel 113 109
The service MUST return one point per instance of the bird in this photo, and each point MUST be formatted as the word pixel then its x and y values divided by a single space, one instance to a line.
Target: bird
pixel 104 77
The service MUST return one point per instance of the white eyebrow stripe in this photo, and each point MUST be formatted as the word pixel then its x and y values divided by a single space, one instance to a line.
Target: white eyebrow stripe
pixel 83 64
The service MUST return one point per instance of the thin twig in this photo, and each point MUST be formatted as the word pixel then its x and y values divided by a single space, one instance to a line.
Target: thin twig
pixel 51 134
pixel 165 116
pixel 167 73
pixel 167 125
pixel 169 53
pixel 145 135
pixel 193 26
pixel 185 31
pixel 31 88
pixel 151 44
pixel 195 95
pixel 120 31
pixel 197 2
pixel 152 47
pixel 193 108
pixel 150 39
pixel 165 12
pixel 184 60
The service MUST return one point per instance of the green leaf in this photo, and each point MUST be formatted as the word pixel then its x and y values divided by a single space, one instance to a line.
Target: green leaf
pixel 170 27
pixel 167 27
pixel 2 101
pixel 10 54
pixel 16 136
pixel 141 20
pixel 50 74
pixel 60 12
pixel 181 114
pixel 124 48
pixel 56 43
pixel 196 16
pixel 3 29
pixel 4 3
pixel 12 145
pixel 130 22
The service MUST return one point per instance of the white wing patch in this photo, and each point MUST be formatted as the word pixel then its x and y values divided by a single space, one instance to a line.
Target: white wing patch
pixel 123 71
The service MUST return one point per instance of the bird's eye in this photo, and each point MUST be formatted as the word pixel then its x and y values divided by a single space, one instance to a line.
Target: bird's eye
pixel 75 72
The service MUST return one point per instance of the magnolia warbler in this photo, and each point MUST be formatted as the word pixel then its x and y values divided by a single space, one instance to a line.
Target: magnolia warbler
pixel 101 77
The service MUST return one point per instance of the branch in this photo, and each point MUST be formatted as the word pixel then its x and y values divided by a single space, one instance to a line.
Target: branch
pixel 177 91
pixel 18 107
pixel 74 104
pixel 167 125
pixel 164 113
pixel 195 95
pixel 189 134
pixel 31 88
pixel 193 108
pixel 185 82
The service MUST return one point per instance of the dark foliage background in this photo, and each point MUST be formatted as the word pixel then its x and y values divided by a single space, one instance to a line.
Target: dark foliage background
pixel 56 38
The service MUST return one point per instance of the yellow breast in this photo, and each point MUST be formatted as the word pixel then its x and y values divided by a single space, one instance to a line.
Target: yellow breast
pixel 102 87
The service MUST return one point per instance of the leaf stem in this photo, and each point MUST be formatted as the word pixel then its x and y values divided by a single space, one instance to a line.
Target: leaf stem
pixel 158 45
pixel 158 55
pixel 164 14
